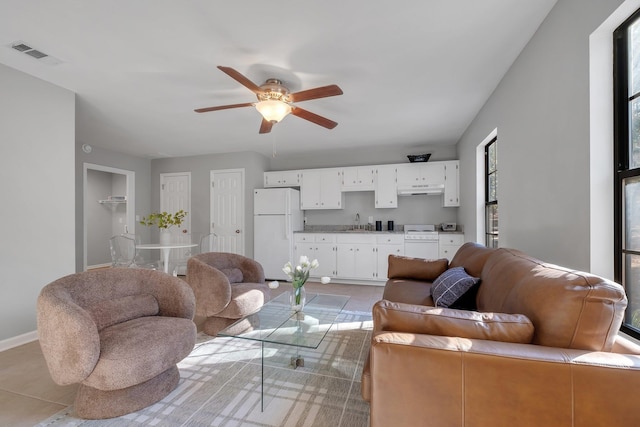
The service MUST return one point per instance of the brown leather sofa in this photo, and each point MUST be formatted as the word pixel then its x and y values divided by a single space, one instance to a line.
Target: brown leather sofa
pixel 541 348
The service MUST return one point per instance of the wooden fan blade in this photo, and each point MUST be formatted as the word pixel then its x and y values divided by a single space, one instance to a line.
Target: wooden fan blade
pixel 240 79
pixel 314 118
pixel 223 107
pixel 319 92
pixel 265 126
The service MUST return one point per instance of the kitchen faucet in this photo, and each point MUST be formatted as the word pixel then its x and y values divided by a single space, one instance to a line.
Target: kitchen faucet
pixel 357 220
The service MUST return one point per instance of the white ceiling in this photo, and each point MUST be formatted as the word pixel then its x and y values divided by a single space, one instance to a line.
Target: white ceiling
pixel 413 72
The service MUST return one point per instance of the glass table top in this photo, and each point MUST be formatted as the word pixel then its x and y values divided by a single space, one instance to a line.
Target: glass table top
pixel 276 323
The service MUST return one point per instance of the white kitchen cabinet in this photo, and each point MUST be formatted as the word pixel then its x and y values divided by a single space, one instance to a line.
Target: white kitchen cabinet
pixel 317 246
pixel 356 257
pixel 420 174
pixel 358 178
pixel 451 184
pixel 386 192
pixel 321 189
pixel 448 244
pixel 387 245
pixel 282 179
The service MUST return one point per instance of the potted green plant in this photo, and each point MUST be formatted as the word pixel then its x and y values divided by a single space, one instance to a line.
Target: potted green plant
pixel 164 221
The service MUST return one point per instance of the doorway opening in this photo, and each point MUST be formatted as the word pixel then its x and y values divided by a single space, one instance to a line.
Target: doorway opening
pixel 108 209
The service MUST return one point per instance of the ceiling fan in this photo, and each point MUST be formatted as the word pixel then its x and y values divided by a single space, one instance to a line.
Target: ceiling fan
pixel 275 102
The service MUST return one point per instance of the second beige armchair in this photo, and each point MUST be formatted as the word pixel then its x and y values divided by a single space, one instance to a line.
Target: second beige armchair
pixel 227 287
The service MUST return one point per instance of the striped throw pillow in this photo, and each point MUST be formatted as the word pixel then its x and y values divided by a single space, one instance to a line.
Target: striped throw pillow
pixel 451 285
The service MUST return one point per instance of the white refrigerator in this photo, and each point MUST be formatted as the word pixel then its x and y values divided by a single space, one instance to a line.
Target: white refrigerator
pixel 276 216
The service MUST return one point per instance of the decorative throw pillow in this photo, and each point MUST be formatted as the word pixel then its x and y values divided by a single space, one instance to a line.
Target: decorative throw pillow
pixel 233 274
pixel 119 310
pixel 450 286
pixel 402 267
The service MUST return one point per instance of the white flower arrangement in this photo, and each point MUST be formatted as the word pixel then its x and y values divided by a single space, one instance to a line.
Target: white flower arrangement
pixel 300 274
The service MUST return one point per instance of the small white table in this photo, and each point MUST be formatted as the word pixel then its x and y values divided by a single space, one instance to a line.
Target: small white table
pixel 166 250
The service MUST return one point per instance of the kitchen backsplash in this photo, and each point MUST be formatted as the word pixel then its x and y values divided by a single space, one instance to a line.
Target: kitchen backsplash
pixel 411 210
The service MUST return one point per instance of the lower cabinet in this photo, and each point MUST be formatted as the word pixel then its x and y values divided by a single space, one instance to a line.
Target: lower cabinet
pixel 385 246
pixel 356 256
pixel 317 246
pixel 448 244
pixel 353 256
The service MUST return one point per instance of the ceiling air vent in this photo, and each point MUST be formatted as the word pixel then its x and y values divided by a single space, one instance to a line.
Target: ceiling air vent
pixel 21 47
pixel 34 53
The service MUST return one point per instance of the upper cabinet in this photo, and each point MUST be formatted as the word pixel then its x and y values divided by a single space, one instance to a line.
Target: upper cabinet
pixel 451 184
pixel 386 194
pixel 358 178
pixel 282 179
pixel 325 188
pixel 321 189
pixel 421 177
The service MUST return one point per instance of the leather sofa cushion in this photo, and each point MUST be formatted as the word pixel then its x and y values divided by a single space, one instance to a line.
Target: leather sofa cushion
pixel 401 267
pixel 391 316
pixel 408 291
pixel 118 310
pixel 472 256
pixel 569 309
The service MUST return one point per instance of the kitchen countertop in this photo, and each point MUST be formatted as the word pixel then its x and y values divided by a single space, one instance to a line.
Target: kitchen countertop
pixel 316 231
pixel 349 232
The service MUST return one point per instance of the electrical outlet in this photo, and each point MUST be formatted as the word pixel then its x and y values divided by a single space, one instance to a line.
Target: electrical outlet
pixel 370 220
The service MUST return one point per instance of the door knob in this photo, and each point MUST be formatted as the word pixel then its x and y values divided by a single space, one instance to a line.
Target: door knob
pixel 237 231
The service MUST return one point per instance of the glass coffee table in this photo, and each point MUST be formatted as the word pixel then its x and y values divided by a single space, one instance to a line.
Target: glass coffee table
pixel 276 323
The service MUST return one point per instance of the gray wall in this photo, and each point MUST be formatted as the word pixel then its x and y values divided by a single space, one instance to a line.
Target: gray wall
pixel 104 157
pixel 37 132
pixel 357 157
pixel 200 167
pixel 541 112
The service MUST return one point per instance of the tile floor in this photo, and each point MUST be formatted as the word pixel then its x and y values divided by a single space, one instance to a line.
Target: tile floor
pixel 28 395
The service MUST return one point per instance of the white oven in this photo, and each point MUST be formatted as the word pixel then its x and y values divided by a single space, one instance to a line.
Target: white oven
pixel 421 241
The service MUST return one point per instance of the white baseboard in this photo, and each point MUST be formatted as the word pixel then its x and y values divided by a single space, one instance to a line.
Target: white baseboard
pixel 19 340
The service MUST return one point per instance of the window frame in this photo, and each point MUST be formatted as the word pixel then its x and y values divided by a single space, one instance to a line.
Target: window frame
pixel 622 143
pixel 488 203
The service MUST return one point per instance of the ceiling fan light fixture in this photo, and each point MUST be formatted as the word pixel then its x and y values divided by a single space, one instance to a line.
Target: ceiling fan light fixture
pixel 272 110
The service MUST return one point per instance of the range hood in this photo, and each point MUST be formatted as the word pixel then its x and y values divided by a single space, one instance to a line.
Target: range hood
pixel 421 189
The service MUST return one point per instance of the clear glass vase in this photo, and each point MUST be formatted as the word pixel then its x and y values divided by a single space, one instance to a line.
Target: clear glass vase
pixel 297 298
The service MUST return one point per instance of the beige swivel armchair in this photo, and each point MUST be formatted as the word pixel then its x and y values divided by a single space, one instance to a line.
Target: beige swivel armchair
pixel 119 332
pixel 227 287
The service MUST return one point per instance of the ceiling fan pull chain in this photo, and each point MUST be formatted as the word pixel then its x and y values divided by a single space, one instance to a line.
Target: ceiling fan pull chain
pixel 273 143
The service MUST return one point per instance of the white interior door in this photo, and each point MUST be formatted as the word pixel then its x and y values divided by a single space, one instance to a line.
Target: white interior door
pixel 175 194
pixel 227 209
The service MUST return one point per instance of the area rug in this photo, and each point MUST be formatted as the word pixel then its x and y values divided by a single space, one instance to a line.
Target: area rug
pixel 220 384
